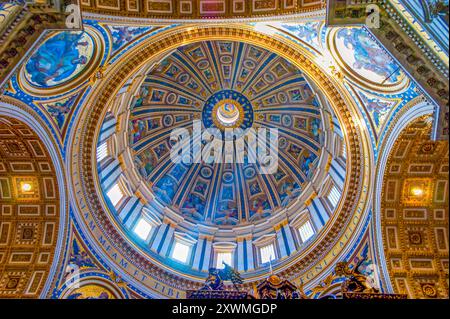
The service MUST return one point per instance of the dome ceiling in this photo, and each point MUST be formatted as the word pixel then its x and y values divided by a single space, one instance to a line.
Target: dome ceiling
pixel 156 218
pixel 137 224
pixel 225 84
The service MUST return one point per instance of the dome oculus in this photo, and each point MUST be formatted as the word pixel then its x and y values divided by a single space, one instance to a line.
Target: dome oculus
pixel 228 113
pixel 228 109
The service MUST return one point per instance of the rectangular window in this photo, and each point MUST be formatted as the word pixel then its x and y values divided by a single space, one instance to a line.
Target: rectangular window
pixel 115 194
pixel 102 151
pixel 223 258
pixel 344 151
pixel 180 252
pixel 143 229
pixel 306 231
pixel 334 196
pixel 267 253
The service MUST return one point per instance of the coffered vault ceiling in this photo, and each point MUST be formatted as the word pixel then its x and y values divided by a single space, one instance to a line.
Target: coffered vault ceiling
pixel 414 213
pixel 29 211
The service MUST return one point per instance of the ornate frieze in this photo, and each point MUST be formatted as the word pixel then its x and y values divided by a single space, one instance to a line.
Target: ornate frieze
pixel 200 9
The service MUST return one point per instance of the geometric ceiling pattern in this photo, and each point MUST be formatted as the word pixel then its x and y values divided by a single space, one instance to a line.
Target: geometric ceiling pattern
pixel 29 211
pixel 199 9
pixel 186 86
pixel 144 204
pixel 415 213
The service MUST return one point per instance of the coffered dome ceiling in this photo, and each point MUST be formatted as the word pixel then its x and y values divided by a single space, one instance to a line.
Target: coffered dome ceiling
pixel 29 210
pixel 98 114
pixel 226 85
pixel 155 202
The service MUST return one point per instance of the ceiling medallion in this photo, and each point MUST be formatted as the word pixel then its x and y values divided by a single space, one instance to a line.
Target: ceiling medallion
pixel 56 67
pixel 228 114
pixel 228 109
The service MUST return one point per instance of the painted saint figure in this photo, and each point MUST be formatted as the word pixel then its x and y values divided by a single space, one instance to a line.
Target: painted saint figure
pixel 58 59
pixel 369 55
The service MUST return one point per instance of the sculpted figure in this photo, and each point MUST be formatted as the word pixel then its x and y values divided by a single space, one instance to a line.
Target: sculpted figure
pixel 356 281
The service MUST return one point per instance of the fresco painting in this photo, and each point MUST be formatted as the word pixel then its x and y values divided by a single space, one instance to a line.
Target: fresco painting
pixel 377 108
pixel 61 58
pixel 60 110
pixel 123 35
pixel 308 32
pixel 361 53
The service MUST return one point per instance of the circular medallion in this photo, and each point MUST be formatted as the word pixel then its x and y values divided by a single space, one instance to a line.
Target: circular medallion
pixel 168 120
pixel 287 120
pixel 249 64
pixel 63 61
pixel 226 59
pixel 171 98
pixel 282 143
pixel 206 172
pixel 249 172
pixel 365 61
pixel 269 77
pixel 228 109
pixel 183 78
pixel 282 97
pixel 228 177
pixel 202 65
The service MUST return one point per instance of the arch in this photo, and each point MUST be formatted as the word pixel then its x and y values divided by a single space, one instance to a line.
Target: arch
pixel 17 110
pixel 412 111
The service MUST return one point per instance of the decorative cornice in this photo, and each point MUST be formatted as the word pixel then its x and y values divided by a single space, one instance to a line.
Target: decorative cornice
pixel 202 11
